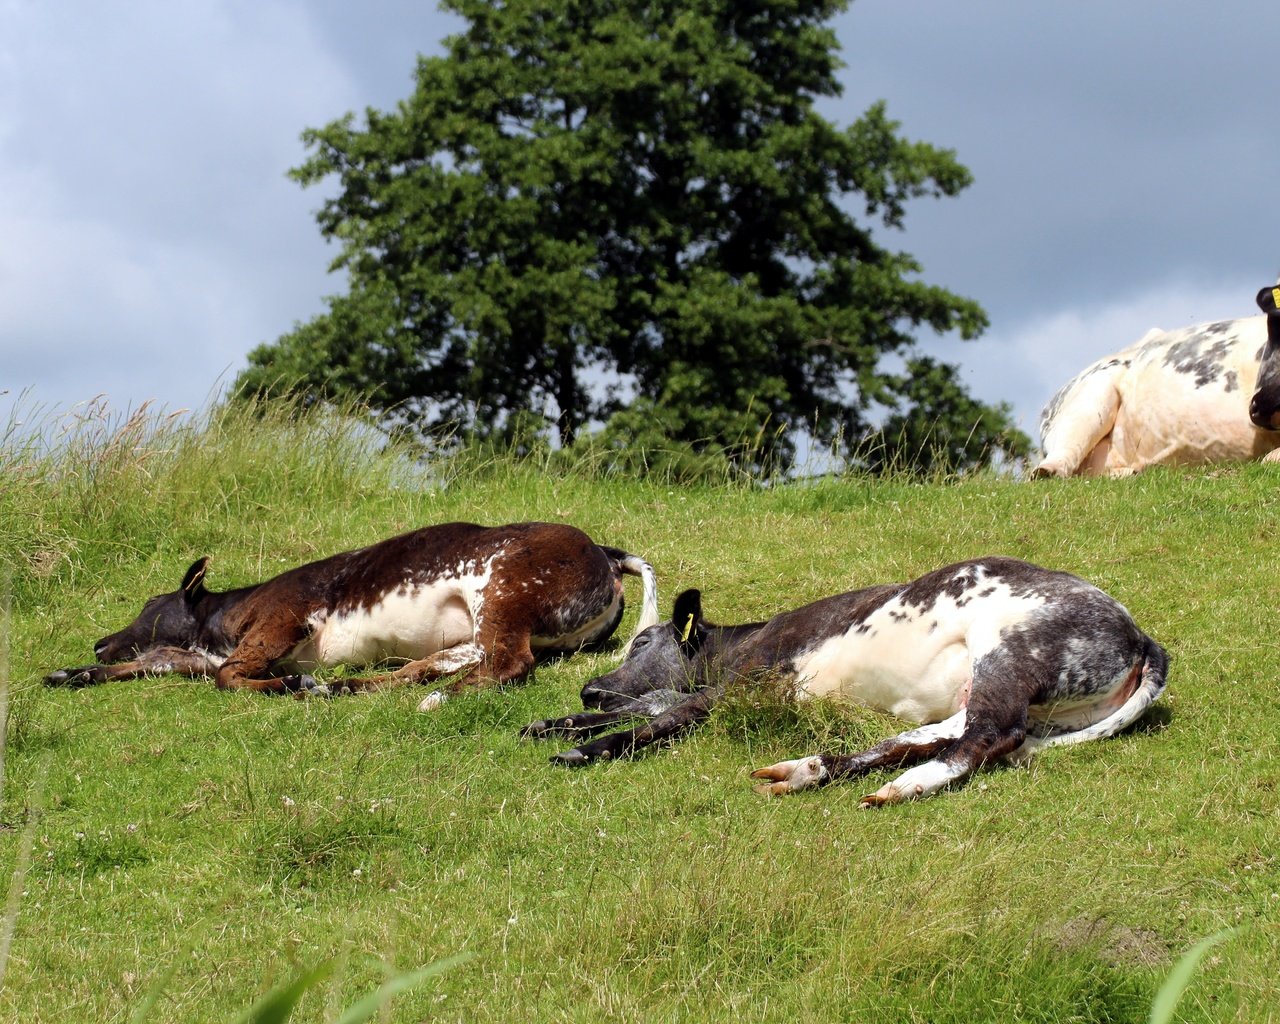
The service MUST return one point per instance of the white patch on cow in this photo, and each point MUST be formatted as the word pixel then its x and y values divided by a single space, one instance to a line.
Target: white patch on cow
pixel 948 729
pixel 904 665
pixel 413 621
pixel 215 660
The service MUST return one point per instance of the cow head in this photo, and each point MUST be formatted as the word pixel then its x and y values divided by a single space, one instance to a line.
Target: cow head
pixel 168 620
pixel 664 661
pixel 1264 407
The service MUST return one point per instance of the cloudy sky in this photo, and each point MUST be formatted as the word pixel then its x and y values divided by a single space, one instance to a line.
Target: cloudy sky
pixel 1126 161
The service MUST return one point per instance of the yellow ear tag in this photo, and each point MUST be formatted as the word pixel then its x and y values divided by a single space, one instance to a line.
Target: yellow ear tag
pixel 688 628
pixel 1275 296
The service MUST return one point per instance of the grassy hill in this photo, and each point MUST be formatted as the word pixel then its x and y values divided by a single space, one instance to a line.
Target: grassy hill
pixel 236 837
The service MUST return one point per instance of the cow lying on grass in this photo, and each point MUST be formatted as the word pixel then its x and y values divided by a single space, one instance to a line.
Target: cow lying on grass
pixel 446 599
pixel 1198 395
pixel 999 657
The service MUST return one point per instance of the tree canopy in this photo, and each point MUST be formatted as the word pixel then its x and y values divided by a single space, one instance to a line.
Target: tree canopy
pixel 587 206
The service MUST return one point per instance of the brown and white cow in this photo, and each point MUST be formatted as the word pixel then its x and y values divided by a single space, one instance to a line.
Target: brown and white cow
pixel 999 658
pixel 1203 394
pixel 445 599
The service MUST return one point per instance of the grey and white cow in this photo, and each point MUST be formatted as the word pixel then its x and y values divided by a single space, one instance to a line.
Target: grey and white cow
pixel 1203 394
pixel 998 658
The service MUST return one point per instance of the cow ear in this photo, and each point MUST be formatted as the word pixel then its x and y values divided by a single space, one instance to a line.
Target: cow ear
pixel 1269 299
pixel 193 581
pixel 686 619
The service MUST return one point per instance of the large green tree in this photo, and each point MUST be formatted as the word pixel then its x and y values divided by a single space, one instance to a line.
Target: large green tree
pixel 593 204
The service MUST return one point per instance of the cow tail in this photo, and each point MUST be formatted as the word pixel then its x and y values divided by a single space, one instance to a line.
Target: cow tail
pixel 1155 671
pixel 634 565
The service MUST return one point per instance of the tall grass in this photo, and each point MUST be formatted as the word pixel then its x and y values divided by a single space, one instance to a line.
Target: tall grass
pixel 282 834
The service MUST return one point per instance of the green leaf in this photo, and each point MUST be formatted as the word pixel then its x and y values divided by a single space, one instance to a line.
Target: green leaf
pixel 278 1004
pixel 162 982
pixel 373 1002
pixel 1179 978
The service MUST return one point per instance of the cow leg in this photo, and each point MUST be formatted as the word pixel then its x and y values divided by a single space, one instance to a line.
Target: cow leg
pixel 582 725
pixel 500 654
pixel 158 662
pixel 684 716
pixel 820 769
pixel 995 725
pixel 248 667
pixel 448 662
pixel 1083 420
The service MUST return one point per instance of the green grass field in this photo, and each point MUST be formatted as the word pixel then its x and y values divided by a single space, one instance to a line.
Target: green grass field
pixel 238 839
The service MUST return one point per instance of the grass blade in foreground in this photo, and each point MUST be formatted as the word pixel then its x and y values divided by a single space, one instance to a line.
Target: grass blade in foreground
pixel 1166 999
pixel 277 1005
pixel 374 1001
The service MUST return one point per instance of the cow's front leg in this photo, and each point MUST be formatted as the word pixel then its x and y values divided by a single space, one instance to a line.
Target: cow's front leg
pixel 248 667
pixel 684 716
pixel 580 726
pixel 792 776
pixel 159 662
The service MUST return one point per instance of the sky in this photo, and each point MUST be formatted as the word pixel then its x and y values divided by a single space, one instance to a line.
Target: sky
pixel 1125 161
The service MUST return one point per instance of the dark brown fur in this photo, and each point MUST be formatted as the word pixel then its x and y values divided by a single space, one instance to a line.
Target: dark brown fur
pixel 546 580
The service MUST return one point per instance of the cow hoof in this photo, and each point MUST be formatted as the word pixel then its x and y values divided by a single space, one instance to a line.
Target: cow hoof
pixel 535 730
pixel 313 687
pixel 1047 470
pixel 72 677
pixel 571 758
pixel 432 701
pixel 791 776
pixel 885 796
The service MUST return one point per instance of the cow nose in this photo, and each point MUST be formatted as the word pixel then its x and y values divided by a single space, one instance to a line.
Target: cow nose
pixel 591 696
pixel 100 648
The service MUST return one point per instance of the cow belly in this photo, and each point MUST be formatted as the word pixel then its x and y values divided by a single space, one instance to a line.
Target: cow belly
pixel 1166 418
pixel 918 678
pixel 408 624
pixel 1189 436
pixel 574 637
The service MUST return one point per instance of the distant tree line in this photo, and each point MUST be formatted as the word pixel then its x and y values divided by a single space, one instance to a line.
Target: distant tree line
pixel 626 219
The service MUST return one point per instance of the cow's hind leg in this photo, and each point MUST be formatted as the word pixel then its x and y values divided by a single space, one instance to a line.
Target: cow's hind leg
pixel 449 662
pixel 819 769
pixel 1083 421
pixel 995 725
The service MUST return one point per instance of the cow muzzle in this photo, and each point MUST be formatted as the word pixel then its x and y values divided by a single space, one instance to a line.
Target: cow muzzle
pixel 1264 415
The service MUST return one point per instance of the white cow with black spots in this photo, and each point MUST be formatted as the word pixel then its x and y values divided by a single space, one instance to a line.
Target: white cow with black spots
pixel 996 657
pixel 1198 395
